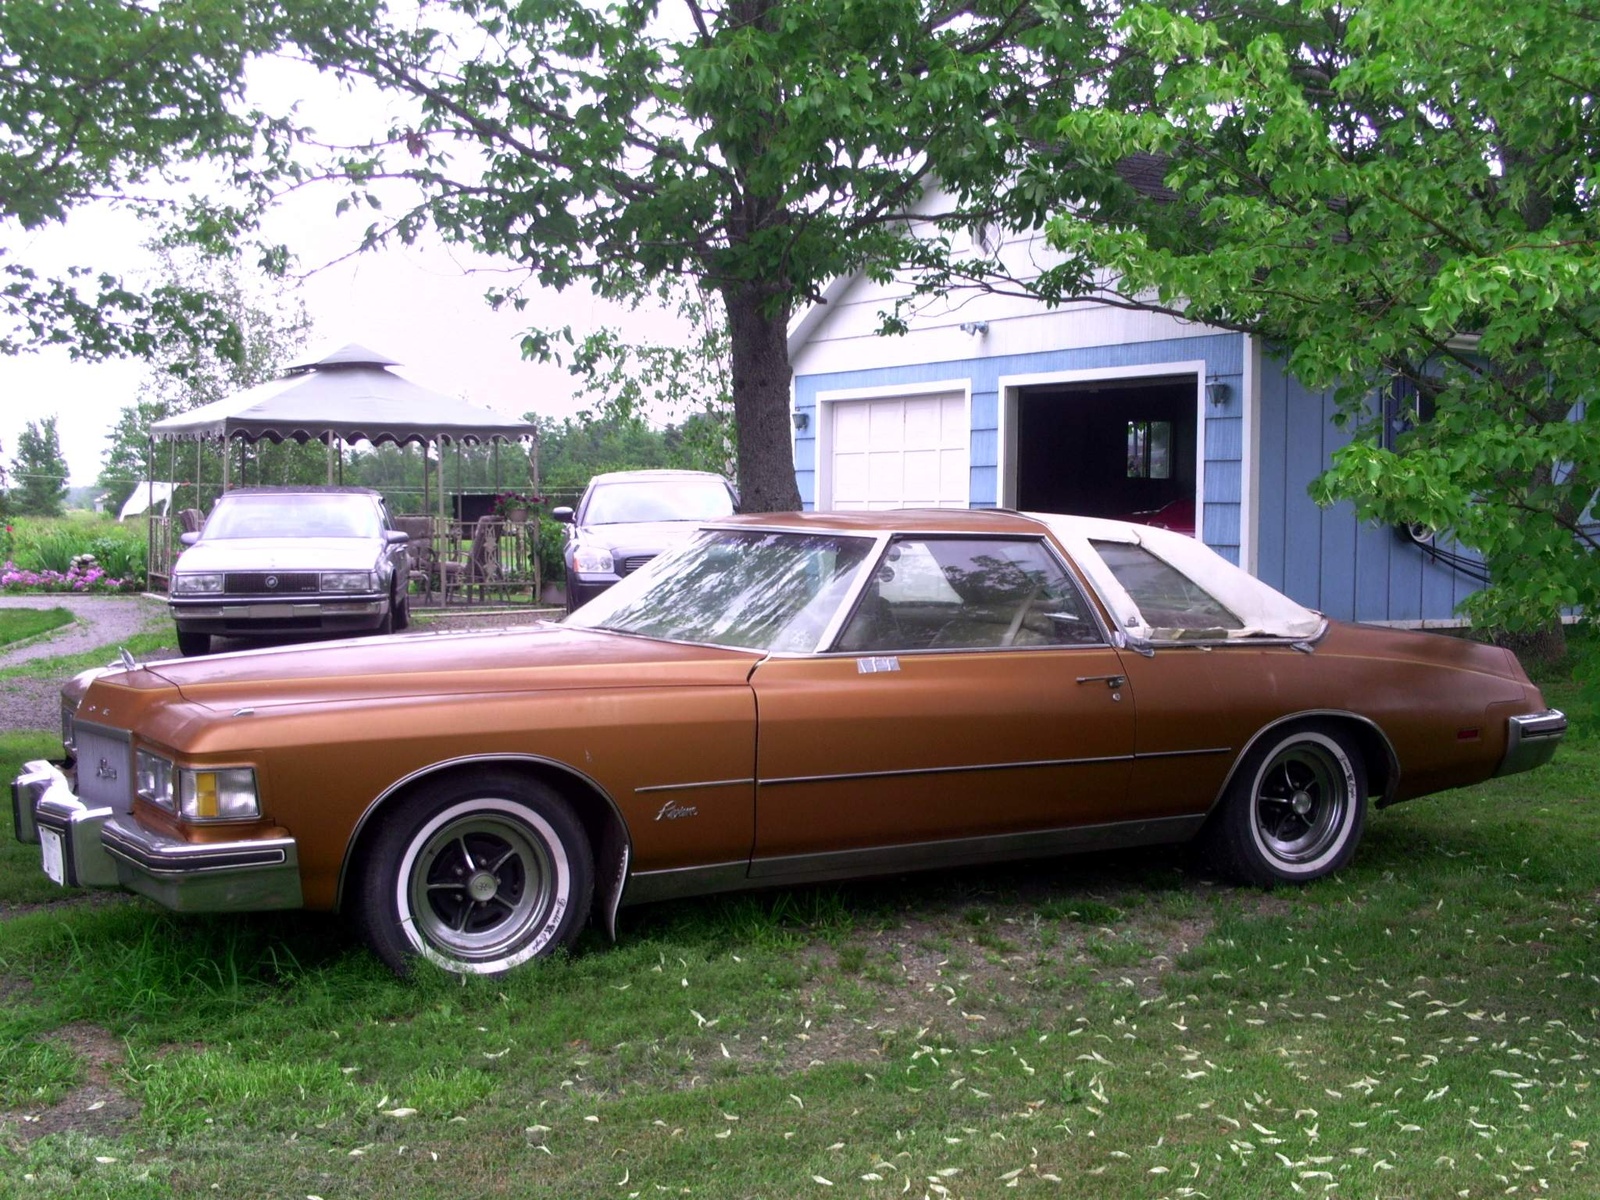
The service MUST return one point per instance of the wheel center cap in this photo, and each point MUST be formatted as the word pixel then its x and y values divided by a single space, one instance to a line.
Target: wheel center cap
pixel 1301 803
pixel 482 886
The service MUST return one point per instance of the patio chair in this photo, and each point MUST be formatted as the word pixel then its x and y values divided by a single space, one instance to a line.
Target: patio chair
pixel 483 568
pixel 422 558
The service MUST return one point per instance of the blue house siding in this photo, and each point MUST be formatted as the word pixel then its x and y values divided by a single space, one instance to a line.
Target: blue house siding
pixel 1324 558
pixel 1222 483
pixel 1327 558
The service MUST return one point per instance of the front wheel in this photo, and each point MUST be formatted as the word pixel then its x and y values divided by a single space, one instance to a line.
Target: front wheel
pixel 1295 810
pixel 192 645
pixel 476 875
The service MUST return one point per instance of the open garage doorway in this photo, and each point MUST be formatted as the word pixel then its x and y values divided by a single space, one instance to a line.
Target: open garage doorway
pixel 1109 448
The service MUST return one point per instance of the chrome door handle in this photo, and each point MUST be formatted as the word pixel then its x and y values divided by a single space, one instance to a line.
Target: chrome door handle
pixel 1111 681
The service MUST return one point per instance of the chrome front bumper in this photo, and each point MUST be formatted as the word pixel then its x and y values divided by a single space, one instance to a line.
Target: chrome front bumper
pixel 221 617
pixel 1531 740
pixel 100 847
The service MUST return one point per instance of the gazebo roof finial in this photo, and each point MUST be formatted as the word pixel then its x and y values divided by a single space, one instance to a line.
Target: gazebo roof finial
pixel 351 354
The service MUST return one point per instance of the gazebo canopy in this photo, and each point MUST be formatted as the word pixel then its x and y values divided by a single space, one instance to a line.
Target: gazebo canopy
pixel 350 395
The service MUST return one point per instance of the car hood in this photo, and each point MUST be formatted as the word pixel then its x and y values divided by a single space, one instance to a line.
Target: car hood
pixel 648 537
pixel 538 658
pixel 279 554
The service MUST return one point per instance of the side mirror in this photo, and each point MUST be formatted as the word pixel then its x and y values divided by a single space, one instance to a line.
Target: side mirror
pixel 189 539
pixel 562 514
pixel 395 537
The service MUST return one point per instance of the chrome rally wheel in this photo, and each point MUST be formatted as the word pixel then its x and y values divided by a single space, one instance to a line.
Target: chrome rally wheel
pixel 481 879
pixel 483 883
pixel 1295 810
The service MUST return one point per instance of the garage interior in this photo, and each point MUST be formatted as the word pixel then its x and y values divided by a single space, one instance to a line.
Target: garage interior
pixel 1110 448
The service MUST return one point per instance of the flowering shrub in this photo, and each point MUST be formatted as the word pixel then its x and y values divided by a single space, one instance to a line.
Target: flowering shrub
pixel 84 575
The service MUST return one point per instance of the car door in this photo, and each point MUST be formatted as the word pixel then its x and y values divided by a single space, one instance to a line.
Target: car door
pixel 971 699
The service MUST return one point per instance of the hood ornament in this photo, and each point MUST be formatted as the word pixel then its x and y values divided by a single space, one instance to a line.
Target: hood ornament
pixel 129 663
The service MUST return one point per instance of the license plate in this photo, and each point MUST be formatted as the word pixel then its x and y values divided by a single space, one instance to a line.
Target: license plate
pixel 271 612
pixel 55 862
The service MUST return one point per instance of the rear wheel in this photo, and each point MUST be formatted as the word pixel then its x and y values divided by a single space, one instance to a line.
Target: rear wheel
pixel 476 875
pixel 192 644
pixel 1295 810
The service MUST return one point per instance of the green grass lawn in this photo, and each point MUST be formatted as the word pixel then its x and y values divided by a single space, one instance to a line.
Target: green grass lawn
pixel 1425 1024
pixel 18 624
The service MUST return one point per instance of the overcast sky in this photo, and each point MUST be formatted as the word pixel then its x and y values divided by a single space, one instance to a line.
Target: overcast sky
pixel 417 305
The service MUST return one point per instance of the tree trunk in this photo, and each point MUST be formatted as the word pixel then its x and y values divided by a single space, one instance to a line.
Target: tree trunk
pixel 759 349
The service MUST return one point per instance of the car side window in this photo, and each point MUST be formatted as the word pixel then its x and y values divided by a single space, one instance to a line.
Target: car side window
pixel 968 594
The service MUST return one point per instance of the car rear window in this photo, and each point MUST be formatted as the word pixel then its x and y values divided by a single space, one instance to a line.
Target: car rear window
pixel 657 500
pixel 1172 604
pixel 298 515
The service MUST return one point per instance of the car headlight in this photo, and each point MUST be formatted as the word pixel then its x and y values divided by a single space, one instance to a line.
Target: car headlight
pixel 349 581
pixel 225 795
pixel 228 794
pixel 592 560
pixel 196 585
pixel 154 779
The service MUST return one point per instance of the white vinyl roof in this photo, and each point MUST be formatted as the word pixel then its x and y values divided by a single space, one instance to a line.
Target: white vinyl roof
pixel 350 394
pixel 1264 611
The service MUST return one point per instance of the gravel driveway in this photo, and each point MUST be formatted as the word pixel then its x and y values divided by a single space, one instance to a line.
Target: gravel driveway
pixel 102 621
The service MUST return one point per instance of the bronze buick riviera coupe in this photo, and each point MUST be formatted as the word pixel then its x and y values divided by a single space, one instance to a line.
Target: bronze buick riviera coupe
pixel 783 699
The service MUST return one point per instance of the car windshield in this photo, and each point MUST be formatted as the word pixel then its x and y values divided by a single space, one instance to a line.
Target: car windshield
pixel 637 501
pixel 298 515
pixel 751 590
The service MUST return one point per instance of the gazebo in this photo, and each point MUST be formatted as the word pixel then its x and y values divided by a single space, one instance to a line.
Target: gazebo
pixel 349 395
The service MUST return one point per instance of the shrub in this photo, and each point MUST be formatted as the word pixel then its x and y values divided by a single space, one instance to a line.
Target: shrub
pixel 52 549
pixel 84 576
pixel 122 557
pixel 76 553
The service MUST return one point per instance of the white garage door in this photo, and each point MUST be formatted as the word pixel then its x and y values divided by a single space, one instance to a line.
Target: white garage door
pixel 907 451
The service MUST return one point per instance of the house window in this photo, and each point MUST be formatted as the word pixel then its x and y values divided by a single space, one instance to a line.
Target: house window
pixel 1149 449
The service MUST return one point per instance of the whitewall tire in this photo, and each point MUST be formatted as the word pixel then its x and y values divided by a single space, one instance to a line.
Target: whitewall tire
pixel 1295 809
pixel 476 875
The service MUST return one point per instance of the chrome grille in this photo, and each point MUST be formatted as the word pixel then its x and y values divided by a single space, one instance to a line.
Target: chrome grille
pixel 629 565
pixel 271 583
pixel 105 769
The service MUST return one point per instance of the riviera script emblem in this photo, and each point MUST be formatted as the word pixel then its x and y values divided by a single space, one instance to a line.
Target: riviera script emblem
pixel 672 812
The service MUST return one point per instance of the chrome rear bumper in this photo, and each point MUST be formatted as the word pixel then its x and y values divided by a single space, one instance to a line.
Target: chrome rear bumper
pixel 1531 740
pixel 100 847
